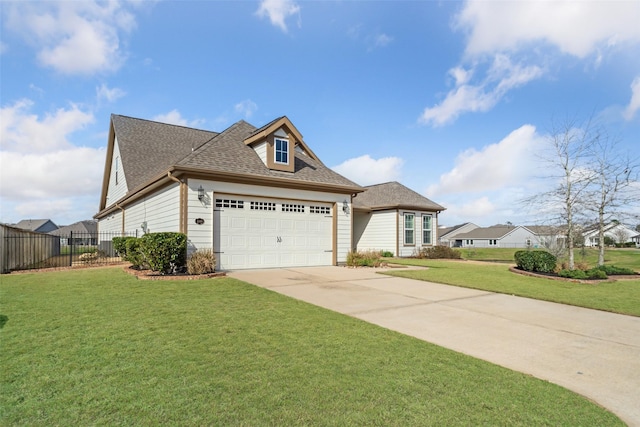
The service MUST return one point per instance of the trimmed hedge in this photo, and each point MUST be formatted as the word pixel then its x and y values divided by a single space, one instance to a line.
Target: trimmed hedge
pixel 535 261
pixel 164 252
pixel 592 274
pixel 612 270
pixel 120 245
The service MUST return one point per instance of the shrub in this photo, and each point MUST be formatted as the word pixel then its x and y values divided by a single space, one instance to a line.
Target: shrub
pixel 202 261
pixel 612 270
pixel 439 252
pixel 386 254
pixel 120 245
pixel 364 259
pixel 133 254
pixel 164 252
pixel 536 261
pixel 88 257
pixel 593 274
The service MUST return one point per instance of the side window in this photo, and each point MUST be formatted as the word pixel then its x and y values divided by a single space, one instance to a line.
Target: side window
pixel 409 229
pixel 281 151
pixel 117 168
pixel 426 230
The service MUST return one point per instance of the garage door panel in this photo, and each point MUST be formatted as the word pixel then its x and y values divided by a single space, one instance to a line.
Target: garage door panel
pixel 259 238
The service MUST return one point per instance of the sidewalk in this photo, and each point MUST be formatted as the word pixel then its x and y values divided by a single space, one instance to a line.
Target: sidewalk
pixel 593 353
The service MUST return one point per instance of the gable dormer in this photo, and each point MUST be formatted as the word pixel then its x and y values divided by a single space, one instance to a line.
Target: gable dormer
pixel 278 144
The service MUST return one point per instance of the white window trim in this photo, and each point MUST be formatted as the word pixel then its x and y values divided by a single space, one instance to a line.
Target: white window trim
pixel 405 229
pixel 430 229
pixel 275 150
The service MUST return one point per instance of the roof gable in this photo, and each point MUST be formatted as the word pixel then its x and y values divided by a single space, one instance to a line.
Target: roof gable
pixel 493 232
pixel 38 225
pixel 393 195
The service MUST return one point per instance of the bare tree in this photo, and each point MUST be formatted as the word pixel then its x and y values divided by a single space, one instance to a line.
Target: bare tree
pixel 565 159
pixel 613 189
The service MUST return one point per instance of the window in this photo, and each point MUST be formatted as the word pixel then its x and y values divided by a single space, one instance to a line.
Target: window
pixel 286 207
pixel 426 230
pixel 117 167
pixel 281 151
pixel 227 203
pixel 409 229
pixel 324 210
pixel 493 242
pixel 469 242
pixel 263 206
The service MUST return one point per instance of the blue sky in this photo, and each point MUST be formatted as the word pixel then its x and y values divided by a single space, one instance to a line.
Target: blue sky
pixel 452 99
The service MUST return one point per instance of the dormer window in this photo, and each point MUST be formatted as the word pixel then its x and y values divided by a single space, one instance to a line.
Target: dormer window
pixel 281 151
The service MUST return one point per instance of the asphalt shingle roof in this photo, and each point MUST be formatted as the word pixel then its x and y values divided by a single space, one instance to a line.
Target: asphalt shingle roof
pixel 393 195
pixel 494 232
pixel 148 148
pixel 87 226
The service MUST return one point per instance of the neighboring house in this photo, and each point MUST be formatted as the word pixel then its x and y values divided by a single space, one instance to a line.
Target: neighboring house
pixel 498 236
pixel 636 239
pixel 394 218
pixel 82 232
pixel 447 235
pixel 616 231
pixel 37 225
pixel 548 236
pixel 259 197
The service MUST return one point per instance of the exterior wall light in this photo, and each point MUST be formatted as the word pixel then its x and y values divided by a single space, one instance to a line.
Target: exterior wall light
pixel 345 207
pixel 200 193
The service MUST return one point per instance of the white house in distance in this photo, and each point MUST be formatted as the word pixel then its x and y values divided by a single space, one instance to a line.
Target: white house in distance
pixel 447 235
pixel 259 197
pixel 498 236
pixel 615 231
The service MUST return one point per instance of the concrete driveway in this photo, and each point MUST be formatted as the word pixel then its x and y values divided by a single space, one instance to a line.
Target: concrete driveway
pixel 593 353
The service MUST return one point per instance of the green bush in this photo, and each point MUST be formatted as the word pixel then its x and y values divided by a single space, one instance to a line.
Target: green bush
pixel 612 270
pixel 439 252
pixel 133 254
pixel 202 261
pixel 536 261
pixel 120 245
pixel 592 274
pixel 164 252
pixel 386 254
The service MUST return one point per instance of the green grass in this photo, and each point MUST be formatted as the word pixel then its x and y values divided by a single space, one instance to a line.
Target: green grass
pixel 622 296
pixel 98 347
pixel 629 257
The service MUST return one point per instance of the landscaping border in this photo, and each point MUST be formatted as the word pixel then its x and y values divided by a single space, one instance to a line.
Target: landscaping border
pixel 153 275
pixel 566 279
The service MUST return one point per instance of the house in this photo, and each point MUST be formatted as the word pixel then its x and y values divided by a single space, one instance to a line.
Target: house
pixel 498 236
pixel 447 235
pixel 37 225
pixel 83 233
pixel 394 218
pixel 636 239
pixel 259 197
pixel 616 231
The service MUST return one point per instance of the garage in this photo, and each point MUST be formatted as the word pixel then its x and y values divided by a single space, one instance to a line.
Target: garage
pixel 252 232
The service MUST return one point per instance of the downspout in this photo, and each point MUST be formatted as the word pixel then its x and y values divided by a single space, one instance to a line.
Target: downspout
pixel 183 203
pixel 122 227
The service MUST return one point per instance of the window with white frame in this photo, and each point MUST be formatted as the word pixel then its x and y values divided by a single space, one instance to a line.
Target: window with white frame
pixel 493 242
pixel 427 230
pixel 409 229
pixel 281 151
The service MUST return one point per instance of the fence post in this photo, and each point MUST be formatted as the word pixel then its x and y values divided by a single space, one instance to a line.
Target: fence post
pixel 70 249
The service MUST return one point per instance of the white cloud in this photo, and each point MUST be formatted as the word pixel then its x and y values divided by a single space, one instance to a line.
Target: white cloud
pixel 578 28
pixel 380 40
pixel 508 163
pixel 21 131
pixel 278 11
pixel 246 108
pixel 501 77
pixel 109 95
pixel 634 103
pixel 74 37
pixel 365 170
pixel 41 169
pixel 174 117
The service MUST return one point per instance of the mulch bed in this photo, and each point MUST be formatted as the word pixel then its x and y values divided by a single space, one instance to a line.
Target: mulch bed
pixel 153 275
pixel 566 279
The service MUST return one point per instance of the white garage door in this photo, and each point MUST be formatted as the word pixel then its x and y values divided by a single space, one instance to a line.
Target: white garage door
pixel 254 232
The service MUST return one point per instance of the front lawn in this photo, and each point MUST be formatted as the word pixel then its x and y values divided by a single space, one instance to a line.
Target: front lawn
pixel 98 347
pixel 622 296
